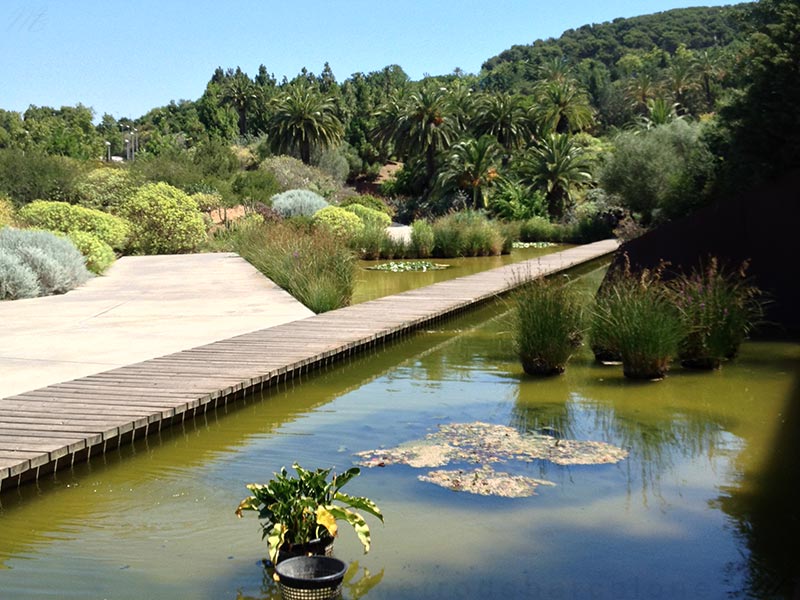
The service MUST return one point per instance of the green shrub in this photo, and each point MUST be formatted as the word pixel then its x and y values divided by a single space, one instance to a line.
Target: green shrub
pixel 65 218
pixel 334 163
pixel 663 170
pixel 99 255
pixel 292 174
pixel 372 202
pixel 466 233
pixel 6 212
pixel 548 320
pixel 423 239
pixel 339 221
pixel 298 203
pixel 509 231
pixel 56 264
pixel 370 242
pixel 515 201
pixel 163 220
pixel 369 216
pixel 394 247
pixel 105 189
pixel 207 201
pixel 26 176
pixel 255 186
pixel 174 167
pixel 538 229
pixel 17 279
pixel 316 267
pixel 636 318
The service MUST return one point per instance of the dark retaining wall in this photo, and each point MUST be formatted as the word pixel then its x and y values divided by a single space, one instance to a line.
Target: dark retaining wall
pixel 762 226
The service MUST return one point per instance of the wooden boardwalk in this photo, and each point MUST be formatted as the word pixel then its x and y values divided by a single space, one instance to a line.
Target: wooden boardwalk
pixel 51 428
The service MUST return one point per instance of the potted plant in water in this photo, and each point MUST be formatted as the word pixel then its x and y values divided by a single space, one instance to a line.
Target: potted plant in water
pixel 299 514
pixel 719 308
pixel 637 318
pixel 548 321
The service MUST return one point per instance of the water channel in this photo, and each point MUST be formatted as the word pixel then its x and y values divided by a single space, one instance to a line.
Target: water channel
pixel 681 517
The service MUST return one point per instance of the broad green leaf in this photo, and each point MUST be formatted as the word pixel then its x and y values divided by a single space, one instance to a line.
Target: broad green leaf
pixel 356 520
pixel 340 480
pixel 275 540
pixel 360 503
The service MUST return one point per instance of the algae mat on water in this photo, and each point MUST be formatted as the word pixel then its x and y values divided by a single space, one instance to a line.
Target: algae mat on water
pixel 484 444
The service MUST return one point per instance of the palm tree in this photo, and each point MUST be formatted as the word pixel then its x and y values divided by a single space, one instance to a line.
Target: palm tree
pixel 240 93
pixel 471 166
pixel 709 72
pixel 302 118
pixel 681 79
pixel 562 106
pixel 504 117
pixel 641 88
pixel 556 164
pixel 420 124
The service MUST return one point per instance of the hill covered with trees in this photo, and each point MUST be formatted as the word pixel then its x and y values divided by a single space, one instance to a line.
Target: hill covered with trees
pixel 653 115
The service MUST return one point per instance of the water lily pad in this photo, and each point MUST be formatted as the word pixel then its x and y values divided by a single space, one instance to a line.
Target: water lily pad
pixel 532 244
pixel 405 266
pixel 485 481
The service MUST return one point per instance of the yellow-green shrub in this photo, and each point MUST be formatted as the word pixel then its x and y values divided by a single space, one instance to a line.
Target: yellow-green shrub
pixel 372 202
pixel 341 222
pixel 370 216
pixel 105 188
pixel 163 220
pixel 6 212
pixel 65 218
pixel 97 253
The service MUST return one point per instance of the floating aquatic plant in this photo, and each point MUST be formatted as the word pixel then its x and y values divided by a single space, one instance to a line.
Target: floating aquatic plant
pixel 408 265
pixel 485 481
pixel 485 444
pixel 522 245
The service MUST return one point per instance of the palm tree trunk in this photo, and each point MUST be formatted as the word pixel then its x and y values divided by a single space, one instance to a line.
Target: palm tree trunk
pixel 242 122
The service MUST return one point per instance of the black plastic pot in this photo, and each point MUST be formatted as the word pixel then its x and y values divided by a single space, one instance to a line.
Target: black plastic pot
pixel 319 547
pixel 310 577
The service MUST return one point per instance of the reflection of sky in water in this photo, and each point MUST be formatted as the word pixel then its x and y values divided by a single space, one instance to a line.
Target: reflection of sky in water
pixel 156 519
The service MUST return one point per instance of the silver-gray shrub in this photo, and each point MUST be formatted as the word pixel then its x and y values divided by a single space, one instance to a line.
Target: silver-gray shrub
pixel 17 280
pixel 56 263
pixel 298 203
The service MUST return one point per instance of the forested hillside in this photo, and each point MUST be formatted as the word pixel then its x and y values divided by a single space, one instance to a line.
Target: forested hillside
pixel 651 116
pixel 696 28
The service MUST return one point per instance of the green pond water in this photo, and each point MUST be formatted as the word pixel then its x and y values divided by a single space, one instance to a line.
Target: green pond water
pixel 697 510
pixel 377 284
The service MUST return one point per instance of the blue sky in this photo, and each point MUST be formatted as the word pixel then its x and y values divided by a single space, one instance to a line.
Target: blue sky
pixel 127 57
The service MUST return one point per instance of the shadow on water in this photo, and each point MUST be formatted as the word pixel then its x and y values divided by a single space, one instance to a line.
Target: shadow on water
pixel 765 506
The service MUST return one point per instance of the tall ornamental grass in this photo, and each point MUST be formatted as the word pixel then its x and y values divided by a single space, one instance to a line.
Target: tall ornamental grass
pixel 466 233
pixel 719 309
pixel 638 319
pixel 312 264
pixel 548 320
pixel 422 239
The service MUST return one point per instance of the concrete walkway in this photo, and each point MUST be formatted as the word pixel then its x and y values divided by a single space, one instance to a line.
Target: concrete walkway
pixel 144 307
